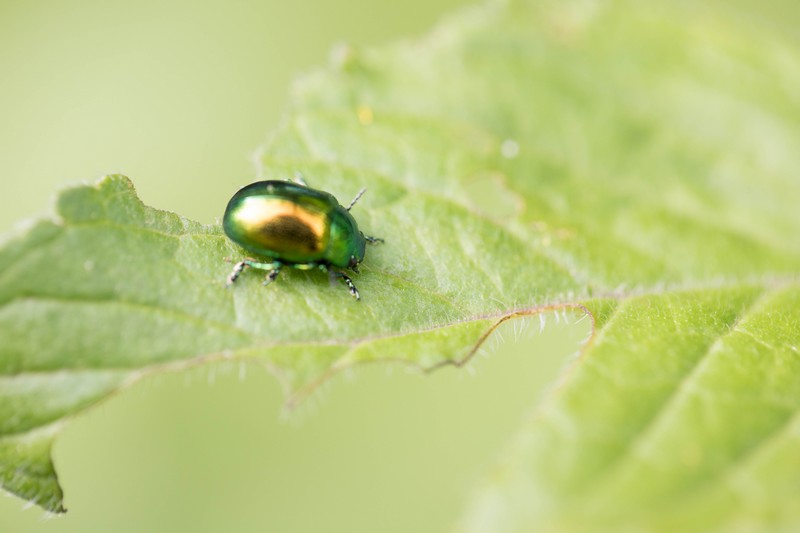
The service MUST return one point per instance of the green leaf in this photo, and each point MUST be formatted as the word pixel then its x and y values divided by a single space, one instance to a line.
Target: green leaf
pixel 681 415
pixel 631 161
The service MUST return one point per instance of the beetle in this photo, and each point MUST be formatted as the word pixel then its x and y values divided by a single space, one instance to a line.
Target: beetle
pixel 289 223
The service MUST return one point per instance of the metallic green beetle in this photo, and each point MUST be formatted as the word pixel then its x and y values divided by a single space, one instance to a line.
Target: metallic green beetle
pixel 292 224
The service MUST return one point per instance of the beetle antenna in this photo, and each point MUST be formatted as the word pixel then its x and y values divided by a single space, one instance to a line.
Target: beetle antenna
pixel 359 195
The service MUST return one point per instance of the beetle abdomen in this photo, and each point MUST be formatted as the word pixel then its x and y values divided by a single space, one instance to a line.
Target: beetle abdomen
pixel 288 232
pixel 279 227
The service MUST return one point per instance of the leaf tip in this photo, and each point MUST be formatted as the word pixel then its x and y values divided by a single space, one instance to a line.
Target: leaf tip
pixel 111 193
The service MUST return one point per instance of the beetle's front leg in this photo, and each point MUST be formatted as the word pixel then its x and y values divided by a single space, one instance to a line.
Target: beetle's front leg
pixel 347 281
pixel 373 240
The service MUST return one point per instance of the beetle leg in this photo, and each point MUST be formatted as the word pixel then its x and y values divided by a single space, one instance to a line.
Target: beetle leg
pixel 373 240
pixel 272 274
pixel 298 178
pixel 349 282
pixel 274 268
pixel 238 268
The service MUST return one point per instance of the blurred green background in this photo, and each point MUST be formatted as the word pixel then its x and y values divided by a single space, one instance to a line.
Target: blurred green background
pixel 176 96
